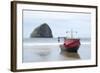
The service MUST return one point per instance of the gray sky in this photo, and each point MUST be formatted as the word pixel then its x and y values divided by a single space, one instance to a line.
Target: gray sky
pixel 59 22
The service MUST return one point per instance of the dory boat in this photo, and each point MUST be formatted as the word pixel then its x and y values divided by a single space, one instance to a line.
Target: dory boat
pixel 70 44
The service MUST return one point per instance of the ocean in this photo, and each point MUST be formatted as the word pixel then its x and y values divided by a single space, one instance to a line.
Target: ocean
pixel 47 49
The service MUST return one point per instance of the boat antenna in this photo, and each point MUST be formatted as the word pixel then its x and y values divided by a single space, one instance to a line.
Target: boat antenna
pixel 67 32
pixel 71 33
pixel 76 34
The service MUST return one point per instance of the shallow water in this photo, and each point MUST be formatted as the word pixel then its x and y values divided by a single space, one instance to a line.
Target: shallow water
pixel 41 50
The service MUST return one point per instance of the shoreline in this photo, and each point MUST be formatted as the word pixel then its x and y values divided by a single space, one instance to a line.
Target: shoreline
pixel 50 44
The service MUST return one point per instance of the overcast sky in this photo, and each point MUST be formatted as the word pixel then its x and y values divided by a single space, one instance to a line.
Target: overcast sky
pixel 59 22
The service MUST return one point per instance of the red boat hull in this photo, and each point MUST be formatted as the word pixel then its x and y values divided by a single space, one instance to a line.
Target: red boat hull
pixel 70 45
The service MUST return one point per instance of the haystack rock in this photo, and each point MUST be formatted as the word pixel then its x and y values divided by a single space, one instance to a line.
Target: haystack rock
pixel 43 31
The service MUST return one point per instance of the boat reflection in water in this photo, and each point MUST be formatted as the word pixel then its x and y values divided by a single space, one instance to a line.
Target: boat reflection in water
pixel 70 55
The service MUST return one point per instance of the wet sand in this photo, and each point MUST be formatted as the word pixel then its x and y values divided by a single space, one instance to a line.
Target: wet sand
pixel 44 53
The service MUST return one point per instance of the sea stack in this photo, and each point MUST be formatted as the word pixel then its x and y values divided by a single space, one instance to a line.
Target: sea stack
pixel 42 31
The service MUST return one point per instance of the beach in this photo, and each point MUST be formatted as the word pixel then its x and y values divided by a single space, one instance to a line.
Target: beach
pixel 46 49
